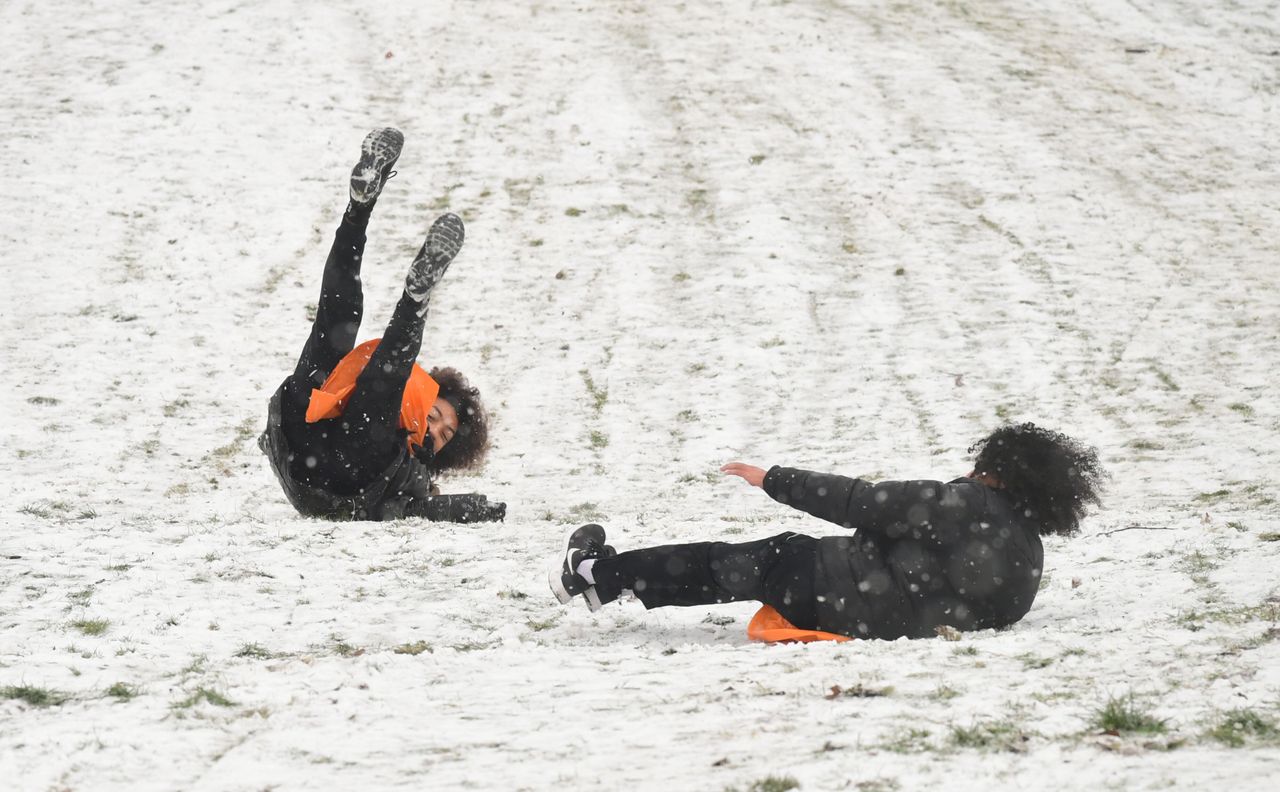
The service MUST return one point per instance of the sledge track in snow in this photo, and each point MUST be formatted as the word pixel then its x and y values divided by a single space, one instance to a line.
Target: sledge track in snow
pixel 1087 237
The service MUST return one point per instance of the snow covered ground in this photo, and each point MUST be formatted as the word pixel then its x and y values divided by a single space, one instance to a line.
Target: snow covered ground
pixel 850 236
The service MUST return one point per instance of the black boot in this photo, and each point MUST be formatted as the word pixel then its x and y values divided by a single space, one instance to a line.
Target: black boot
pixel 444 240
pixel 378 153
pixel 581 544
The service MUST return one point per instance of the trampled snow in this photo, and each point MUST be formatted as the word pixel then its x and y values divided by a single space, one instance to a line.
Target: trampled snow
pixel 844 236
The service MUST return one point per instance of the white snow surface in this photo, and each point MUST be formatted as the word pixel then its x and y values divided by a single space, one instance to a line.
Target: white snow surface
pixel 846 236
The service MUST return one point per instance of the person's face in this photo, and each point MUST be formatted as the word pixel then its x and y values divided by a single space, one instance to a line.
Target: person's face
pixel 442 423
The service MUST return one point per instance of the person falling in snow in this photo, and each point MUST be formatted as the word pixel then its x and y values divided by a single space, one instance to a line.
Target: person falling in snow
pixel 923 555
pixel 358 433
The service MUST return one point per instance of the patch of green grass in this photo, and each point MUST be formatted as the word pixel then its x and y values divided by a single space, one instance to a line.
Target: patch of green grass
pixel 1262 494
pixel 772 343
pixel 122 691
pixel 598 439
pixel 1166 380
pixel 470 646
pixel 1269 536
pixel 859 690
pixel 204 694
pixel 756 159
pixel 681 277
pixel 1212 497
pixel 91 626
pixel 572 212
pixel 944 693
pixel 908 740
pixel 1256 642
pixel 253 650
pixel 1241 408
pixel 539 626
pixel 1031 661
pixel 1237 726
pixel 599 396
pixel 1197 563
pixel 34 696
pixel 415 648
pixel 770 784
pixel 1235 614
pixel 1124 715
pixel 990 735
pixel 586 511
pixel 696 199
pixel 344 649
pixel 45 400
pixel 248 428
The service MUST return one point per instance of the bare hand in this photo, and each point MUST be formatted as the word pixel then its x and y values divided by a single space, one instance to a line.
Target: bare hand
pixel 748 473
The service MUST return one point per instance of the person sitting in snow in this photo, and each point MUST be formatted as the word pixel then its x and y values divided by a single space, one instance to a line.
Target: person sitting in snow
pixel 358 433
pixel 923 556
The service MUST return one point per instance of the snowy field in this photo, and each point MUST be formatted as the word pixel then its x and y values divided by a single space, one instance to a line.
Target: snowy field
pixel 848 236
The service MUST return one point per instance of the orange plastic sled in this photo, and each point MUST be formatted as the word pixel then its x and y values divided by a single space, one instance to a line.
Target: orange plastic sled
pixel 769 626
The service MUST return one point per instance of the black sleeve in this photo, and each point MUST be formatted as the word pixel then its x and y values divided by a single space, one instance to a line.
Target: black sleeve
pixel 464 508
pixel 889 507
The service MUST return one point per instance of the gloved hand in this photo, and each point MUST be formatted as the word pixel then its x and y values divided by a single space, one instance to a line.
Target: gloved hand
pixel 496 512
pixel 464 508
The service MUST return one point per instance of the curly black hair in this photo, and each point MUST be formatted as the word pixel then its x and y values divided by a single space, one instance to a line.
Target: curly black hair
pixel 470 444
pixel 1052 477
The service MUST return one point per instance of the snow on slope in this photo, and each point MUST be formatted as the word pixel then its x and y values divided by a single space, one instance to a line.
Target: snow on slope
pixel 845 236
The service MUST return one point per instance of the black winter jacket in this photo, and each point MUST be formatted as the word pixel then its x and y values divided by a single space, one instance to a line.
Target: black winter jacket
pixel 923 553
pixel 403 490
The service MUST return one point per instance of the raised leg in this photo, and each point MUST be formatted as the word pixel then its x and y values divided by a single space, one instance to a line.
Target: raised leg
pixel 340 307
pixel 341 304
pixel 373 413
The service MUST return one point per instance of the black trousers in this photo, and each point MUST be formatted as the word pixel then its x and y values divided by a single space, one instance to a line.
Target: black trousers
pixel 345 454
pixel 777 571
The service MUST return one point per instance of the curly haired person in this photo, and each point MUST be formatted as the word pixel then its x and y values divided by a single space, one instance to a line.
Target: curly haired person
pixel 918 555
pixel 360 432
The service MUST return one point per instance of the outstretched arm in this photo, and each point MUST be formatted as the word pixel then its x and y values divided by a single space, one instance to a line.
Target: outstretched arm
pixel 889 507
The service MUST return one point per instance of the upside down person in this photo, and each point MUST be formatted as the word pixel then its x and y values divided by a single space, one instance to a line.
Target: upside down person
pixel 359 433
pixel 921 555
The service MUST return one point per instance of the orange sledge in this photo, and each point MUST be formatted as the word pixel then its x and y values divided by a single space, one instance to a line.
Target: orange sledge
pixel 769 626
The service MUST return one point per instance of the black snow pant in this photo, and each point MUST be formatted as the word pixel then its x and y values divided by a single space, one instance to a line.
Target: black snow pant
pixel 777 571
pixel 343 455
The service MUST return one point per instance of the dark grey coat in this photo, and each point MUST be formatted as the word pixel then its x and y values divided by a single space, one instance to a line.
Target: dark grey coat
pixel 403 490
pixel 922 554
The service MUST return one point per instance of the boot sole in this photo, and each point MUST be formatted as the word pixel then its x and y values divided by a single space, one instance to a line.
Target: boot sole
pixel 444 242
pixel 555 576
pixel 557 586
pixel 378 153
